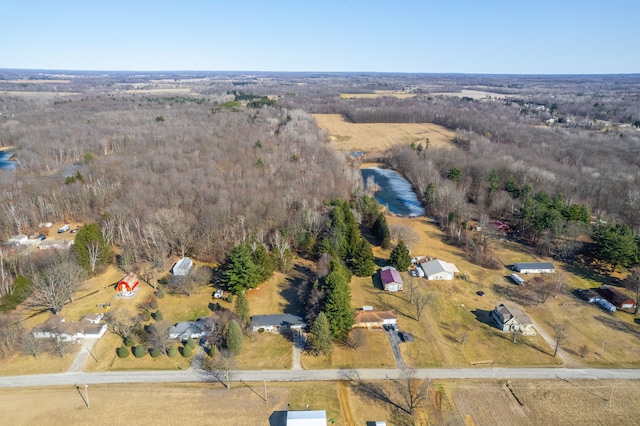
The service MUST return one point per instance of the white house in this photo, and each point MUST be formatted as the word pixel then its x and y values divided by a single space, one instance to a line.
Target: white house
pixel 195 329
pixel 182 266
pixel 512 319
pixel 307 418
pixel 534 267
pixel 437 269
pixel 57 327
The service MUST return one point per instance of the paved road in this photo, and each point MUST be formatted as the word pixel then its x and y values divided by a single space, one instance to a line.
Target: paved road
pixel 193 375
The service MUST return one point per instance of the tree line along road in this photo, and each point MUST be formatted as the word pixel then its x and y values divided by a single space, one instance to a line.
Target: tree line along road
pixel 193 375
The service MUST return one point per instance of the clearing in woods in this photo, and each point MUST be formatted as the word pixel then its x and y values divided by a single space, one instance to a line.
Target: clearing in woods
pixel 370 137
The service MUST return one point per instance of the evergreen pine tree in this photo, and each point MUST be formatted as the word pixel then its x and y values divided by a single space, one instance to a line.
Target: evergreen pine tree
pixel 338 309
pixel 234 338
pixel 242 307
pixel 400 257
pixel 240 272
pixel 90 238
pixel 362 261
pixel 322 340
pixel 381 231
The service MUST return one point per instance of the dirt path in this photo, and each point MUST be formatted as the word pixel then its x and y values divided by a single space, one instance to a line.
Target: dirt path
pixel 345 403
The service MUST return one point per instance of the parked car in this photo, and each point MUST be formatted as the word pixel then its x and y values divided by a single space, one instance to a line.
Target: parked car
pixel 73 231
pixel 480 293
pixel 42 237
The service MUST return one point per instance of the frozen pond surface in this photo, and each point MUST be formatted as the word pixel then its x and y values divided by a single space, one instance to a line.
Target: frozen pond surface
pixel 395 192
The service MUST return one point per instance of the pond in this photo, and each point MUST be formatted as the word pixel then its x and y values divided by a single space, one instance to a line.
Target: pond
pixel 5 161
pixel 396 193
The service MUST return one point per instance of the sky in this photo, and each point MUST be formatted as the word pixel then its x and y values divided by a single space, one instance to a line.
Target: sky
pixel 408 36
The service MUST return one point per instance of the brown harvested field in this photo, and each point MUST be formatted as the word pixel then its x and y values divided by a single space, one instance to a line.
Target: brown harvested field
pixel 546 402
pixel 377 94
pixel 370 137
pixel 473 94
pixel 194 403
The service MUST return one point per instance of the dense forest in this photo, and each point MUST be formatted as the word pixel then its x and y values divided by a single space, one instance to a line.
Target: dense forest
pixel 231 158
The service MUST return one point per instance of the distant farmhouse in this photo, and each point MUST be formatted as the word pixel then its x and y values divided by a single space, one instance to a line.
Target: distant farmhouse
pixel 391 279
pixel 512 319
pixel 534 267
pixel 439 270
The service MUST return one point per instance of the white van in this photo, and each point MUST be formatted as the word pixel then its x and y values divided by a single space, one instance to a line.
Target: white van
pixel 65 228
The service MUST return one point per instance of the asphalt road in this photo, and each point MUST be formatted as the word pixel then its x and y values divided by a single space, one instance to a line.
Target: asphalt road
pixel 191 375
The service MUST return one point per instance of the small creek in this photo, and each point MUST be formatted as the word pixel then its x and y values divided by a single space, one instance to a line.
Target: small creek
pixel 396 193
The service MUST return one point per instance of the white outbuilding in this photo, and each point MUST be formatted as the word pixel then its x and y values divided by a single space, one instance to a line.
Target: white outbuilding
pixel 534 267
pixel 182 266
pixel 437 269
pixel 307 418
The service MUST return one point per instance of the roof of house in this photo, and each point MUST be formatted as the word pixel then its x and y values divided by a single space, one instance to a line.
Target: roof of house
pixel 362 316
pixel 437 266
pixel 185 329
pixel 182 266
pixel 533 265
pixel 389 274
pixel 281 320
pixel 513 312
pixel 307 418
pixel 615 296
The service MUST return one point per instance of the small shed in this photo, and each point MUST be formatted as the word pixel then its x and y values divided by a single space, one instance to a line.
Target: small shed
pixel 307 418
pixel 391 279
pixel 437 269
pixel 182 267
pixel 128 283
pixel 534 267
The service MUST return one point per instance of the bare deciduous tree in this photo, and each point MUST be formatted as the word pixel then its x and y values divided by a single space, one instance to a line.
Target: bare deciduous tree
pixel 53 287
pixel 31 345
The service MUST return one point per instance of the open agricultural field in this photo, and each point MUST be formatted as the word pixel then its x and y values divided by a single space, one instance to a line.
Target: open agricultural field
pixel 199 403
pixel 377 94
pixel 370 137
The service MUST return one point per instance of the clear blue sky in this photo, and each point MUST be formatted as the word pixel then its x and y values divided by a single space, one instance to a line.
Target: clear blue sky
pixel 448 36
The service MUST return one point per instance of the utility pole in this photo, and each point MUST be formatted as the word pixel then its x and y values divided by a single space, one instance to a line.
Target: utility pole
pixel 613 386
pixel 86 393
pixel 602 348
pixel 265 390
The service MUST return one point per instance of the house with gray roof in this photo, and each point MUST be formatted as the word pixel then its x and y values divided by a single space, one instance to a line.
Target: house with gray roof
pixel 182 267
pixel 437 269
pixel 277 322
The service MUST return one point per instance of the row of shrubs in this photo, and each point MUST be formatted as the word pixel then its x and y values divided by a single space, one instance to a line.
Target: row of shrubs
pixel 139 350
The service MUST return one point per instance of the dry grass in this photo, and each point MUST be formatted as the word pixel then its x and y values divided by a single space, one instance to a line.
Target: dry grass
pixel 374 353
pixel 381 136
pixel 266 351
pixel 26 81
pixel 193 402
pixel 45 95
pixel 377 94
pixel 549 402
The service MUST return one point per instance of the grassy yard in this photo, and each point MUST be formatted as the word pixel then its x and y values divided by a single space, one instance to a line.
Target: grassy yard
pixel 266 351
pixel 375 352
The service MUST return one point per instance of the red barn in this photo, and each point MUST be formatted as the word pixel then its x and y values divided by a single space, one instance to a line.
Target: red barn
pixel 128 283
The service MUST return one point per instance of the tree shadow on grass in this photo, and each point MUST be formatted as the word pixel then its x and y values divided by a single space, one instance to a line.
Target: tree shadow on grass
pixel 588 273
pixel 296 279
pixel 618 325
pixel 516 294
